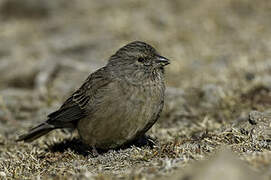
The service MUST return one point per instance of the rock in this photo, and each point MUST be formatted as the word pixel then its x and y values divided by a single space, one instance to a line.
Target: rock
pixel 223 166
pixel 3 174
pixel 261 122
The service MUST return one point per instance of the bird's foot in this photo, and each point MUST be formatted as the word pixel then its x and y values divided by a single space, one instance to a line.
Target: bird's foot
pixel 145 140
pixel 94 152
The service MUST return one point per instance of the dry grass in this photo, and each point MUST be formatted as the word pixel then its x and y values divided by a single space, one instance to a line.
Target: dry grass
pixel 220 73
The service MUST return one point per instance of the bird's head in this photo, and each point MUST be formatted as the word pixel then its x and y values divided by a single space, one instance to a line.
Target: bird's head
pixel 138 55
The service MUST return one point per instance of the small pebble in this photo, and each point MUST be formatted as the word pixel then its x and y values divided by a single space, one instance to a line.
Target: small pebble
pixel 2 174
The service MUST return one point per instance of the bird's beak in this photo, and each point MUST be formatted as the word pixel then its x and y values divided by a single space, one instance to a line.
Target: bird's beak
pixel 162 60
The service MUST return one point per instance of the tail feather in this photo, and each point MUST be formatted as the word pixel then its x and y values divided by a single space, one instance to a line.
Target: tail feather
pixel 36 132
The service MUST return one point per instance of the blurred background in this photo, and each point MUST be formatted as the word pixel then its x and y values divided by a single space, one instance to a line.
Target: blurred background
pixel 220 53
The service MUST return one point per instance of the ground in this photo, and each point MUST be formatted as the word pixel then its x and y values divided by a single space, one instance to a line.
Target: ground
pixel 218 86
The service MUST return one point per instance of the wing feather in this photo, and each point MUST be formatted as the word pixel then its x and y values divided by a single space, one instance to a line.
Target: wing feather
pixel 74 108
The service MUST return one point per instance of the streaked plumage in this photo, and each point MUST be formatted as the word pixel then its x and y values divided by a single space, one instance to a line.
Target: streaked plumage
pixel 116 104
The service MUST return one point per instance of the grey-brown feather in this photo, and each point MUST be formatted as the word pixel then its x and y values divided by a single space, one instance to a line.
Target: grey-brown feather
pixel 36 132
pixel 117 103
pixel 72 110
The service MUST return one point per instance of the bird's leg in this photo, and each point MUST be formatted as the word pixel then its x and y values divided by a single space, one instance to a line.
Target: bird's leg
pixel 151 141
pixel 147 140
pixel 94 151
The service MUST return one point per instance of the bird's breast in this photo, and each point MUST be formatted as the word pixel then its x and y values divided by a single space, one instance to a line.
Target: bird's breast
pixel 124 110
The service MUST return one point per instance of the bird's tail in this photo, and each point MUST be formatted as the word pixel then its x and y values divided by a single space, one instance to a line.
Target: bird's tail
pixel 36 132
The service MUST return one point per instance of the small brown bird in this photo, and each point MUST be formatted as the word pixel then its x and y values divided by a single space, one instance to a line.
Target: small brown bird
pixel 116 104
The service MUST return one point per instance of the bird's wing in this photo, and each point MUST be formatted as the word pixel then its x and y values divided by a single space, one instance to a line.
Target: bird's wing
pixel 74 108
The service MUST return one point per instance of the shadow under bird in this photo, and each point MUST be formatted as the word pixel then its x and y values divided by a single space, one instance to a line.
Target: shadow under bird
pixel 116 104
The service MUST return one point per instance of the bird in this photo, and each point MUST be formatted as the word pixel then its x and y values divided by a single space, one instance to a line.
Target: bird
pixel 116 104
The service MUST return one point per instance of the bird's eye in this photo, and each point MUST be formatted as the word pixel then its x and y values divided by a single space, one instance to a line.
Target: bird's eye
pixel 140 59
